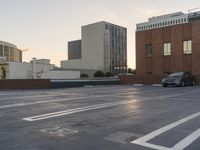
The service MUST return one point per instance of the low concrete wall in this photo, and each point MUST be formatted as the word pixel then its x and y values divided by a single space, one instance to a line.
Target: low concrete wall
pixel 47 83
pixel 82 83
pixel 141 79
pixel 146 79
pixel 24 84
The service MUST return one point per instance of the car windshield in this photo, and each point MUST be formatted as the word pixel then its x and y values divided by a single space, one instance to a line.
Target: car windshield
pixel 179 74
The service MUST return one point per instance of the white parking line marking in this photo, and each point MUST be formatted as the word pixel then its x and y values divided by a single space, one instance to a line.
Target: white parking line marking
pixel 77 98
pixel 60 100
pixel 188 140
pixel 93 107
pixel 157 147
pixel 56 94
pixel 96 96
pixel 143 141
pixel 76 110
pixel 64 93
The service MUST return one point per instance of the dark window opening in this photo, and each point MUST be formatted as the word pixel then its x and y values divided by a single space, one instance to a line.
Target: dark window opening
pixel 148 72
pixel 149 50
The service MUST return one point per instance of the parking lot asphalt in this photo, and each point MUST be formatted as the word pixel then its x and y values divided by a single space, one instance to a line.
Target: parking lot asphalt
pixel 101 118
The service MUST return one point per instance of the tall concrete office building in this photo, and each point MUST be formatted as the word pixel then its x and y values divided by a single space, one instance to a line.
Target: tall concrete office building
pixel 74 50
pixel 103 47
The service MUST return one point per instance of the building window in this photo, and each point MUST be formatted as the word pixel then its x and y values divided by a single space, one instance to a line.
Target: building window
pixel 148 49
pixel 187 47
pixel 185 20
pixel 148 72
pixel 107 27
pixel 1 50
pixel 6 52
pixel 167 49
pixel 182 20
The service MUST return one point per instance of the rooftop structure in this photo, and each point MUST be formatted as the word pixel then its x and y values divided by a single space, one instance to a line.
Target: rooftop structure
pixel 168 20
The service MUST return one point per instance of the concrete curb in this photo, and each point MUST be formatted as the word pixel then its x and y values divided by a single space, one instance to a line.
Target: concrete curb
pixel 137 84
pixel 157 85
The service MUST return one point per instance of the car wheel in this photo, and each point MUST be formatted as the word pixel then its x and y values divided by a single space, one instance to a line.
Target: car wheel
pixel 164 85
pixel 182 83
pixel 193 83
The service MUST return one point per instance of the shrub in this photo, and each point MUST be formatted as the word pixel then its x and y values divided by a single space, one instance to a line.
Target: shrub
pixel 3 70
pixel 98 74
pixel 83 75
pixel 133 71
pixel 108 74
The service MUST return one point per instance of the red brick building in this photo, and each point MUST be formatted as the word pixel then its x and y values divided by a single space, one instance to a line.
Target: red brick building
pixel 168 43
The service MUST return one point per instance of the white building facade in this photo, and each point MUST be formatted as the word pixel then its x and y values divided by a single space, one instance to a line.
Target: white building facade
pixel 37 69
pixel 103 47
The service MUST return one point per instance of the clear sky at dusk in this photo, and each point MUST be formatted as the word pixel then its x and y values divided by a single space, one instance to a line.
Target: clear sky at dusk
pixel 45 26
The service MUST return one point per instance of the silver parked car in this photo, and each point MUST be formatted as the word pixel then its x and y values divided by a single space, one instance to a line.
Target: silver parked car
pixel 179 79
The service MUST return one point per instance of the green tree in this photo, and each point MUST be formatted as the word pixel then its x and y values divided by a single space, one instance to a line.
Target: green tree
pixel 129 70
pixel 98 74
pixel 83 75
pixel 133 71
pixel 108 74
pixel 3 70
